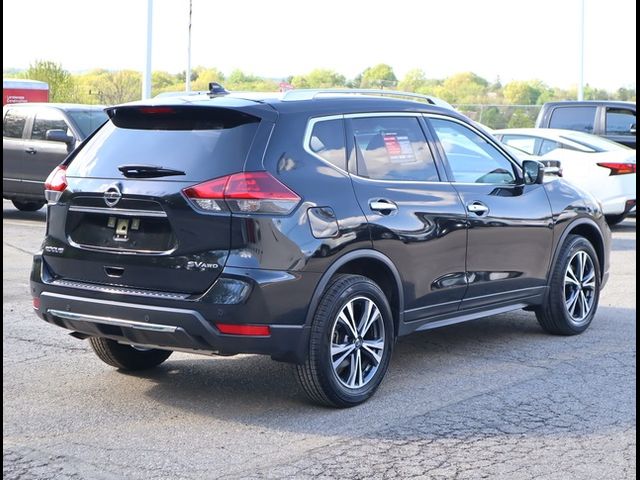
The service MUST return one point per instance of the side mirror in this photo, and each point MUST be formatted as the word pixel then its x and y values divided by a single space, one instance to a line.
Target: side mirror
pixel 533 172
pixel 552 167
pixel 632 128
pixel 59 136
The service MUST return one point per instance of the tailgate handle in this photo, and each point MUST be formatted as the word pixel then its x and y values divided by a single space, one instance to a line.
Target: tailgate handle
pixel 114 271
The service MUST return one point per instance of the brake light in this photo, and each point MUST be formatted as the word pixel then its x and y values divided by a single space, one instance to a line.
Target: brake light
pixel 251 330
pixel 249 192
pixel 619 168
pixel 156 110
pixel 55 184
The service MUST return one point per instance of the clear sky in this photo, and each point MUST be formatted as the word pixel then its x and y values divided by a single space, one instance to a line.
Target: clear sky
pixel 515 39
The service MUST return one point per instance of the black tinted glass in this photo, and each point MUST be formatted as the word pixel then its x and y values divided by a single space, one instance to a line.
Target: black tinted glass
pixel 327 141
pixel 392 148
pixel 471 157
pixel 201 154
pixel 48 120
pixel 13 124
pixel 620 121
pixel 87 120
pixel 573 118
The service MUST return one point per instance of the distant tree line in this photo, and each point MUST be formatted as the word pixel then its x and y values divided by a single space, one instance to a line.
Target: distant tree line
pixel 491 103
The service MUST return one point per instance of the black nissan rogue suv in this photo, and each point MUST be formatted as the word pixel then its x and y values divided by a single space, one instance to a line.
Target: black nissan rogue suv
pixel 314 226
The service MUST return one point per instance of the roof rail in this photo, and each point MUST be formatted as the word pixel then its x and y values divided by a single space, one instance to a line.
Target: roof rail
pixel 310 94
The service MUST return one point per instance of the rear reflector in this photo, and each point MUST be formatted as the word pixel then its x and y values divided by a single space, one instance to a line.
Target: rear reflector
pixel 619 168
pixel 249 330
pixel 36 303
pixel 249 192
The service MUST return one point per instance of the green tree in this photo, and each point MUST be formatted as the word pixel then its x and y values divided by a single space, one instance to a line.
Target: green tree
pixel 61 88
pixel 319 78
pixel 121 86
pixel 520 119
pixel 463 88
pixel 492 117
pixel 378 76
pixel 521 93
pixel 413 81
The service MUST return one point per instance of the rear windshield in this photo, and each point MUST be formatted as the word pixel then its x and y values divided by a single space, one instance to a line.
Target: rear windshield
pixel 87 120
pixel 203 151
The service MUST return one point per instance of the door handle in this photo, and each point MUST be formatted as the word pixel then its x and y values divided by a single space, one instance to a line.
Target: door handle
pixel 383 206
pixel 31 151
pixel 478 208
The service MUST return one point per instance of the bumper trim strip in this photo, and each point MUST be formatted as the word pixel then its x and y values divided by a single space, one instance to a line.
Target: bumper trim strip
pixel 118 322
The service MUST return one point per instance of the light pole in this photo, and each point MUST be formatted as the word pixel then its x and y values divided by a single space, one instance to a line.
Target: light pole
pixel 188 80
pixel 581 53
pixel 146 76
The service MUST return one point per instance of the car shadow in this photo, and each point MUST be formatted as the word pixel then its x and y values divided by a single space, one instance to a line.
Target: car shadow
pixel 486 361
pixel 15 214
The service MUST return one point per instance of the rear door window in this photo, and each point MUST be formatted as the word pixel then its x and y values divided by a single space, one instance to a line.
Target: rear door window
pixel 14 122
pixel 620 121
pixel 392 148
pixel 522 143
pixel 573 118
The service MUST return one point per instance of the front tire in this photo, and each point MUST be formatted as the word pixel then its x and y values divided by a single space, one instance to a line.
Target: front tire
pixel 351 342
pixel 574 290
pixel 126 357
pixel 27 206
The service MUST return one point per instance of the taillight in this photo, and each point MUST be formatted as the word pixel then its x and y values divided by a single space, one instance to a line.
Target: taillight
pixel 249 192
pixel 55 184
pixel 619 168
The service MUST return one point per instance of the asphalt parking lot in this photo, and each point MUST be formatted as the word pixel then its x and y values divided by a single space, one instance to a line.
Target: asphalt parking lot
pixel 496 398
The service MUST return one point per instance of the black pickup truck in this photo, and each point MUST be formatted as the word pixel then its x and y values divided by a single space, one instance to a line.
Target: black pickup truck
pixel 613 120
pixel 36 137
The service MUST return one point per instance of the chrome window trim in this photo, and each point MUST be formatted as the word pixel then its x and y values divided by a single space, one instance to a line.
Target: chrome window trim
pixel 312 122
pixel 490 140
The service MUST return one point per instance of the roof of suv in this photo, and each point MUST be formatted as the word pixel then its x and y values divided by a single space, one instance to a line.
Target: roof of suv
pixel 333 104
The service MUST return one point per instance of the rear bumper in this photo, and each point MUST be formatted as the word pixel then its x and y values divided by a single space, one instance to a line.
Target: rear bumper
pixel 184 325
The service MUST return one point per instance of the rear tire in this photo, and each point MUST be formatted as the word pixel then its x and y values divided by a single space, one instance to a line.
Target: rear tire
pixel 348 357
pixel 574 290
pixel 126 357
pixel 27 206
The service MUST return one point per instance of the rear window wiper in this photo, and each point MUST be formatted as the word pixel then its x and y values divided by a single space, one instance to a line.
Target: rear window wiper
pixel 148 171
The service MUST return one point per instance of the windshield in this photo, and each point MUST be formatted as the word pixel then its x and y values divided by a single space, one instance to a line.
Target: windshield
pixel 87 120
pixel 598 144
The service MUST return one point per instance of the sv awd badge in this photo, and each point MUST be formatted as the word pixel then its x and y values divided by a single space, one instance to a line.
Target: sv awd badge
pixel 202 266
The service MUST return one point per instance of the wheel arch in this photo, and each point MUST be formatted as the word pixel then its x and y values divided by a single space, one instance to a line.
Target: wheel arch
pixel 587 228
pixel 372 264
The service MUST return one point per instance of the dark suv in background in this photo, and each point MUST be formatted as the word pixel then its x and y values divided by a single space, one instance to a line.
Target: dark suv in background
pixel 37 137
pixel 315 227
pixel 613 120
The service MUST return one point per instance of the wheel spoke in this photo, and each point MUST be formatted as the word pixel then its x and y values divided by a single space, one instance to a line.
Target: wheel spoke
pixel 581 265
pixel 372 317
pixel 352 318
pixel 352 370
pixel 370 347
pixel 572 302
pixel 571 278
pixel 343 318
pixel 344 354
pixel 584 304
pixel 359 367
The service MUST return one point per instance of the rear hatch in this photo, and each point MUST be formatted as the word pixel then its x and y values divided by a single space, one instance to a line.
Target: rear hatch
pixel 124 219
